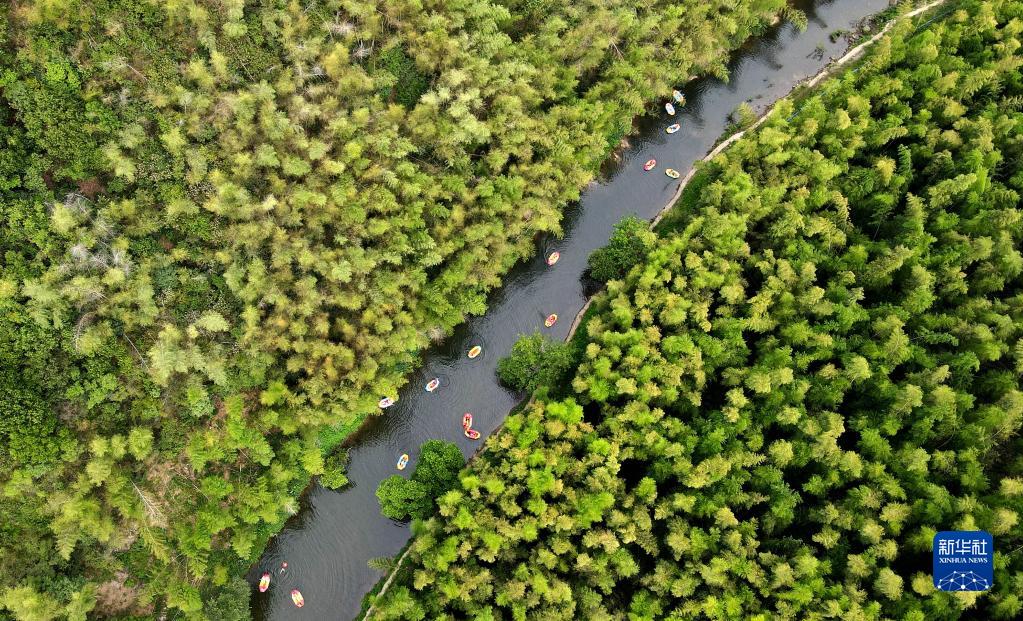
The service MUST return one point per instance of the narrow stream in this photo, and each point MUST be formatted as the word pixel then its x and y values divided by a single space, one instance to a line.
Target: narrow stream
pixel 328 543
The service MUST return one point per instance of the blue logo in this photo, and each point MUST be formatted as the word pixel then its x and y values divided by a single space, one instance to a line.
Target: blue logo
pixel 963 560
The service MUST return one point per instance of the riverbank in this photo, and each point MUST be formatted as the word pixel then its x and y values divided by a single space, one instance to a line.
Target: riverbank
pixel 853 54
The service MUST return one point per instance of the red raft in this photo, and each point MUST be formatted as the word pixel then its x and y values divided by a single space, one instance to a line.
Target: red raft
pixel 467 429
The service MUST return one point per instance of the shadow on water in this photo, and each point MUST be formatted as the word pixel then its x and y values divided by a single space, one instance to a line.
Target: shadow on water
pixel 329 542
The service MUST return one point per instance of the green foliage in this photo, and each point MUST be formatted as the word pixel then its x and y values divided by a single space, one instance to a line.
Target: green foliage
pixel 535 360
pixel 743 117
pixel 333 476
pixel 435 474
pixel 28 605
pixel 231 602
pixel 817 367
pixel 402 499
pixel 629 243
pixel 409 85
pixel 28 427
pixel 383 564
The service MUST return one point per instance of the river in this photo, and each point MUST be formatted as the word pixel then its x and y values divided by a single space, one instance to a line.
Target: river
pixel 329 541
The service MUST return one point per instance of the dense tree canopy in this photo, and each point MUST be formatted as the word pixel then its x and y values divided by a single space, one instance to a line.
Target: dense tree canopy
pixel 230 225
pixel 816 368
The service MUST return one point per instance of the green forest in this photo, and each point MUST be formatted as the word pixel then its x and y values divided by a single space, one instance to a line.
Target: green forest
pixel 814 368
pixel 229 227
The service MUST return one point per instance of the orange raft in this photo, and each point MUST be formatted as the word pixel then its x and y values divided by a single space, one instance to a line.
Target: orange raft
pixel 551 320
pixel 264 582
pixel 551 260
pixel 475 351
pixel 402 461
pixel 674 127
pixel 649 164
pixel 432 384
pixel 296 598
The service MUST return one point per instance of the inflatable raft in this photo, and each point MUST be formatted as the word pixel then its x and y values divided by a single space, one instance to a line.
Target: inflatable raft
pixel 671 172
pixel 551 260
pixel 551 320
pixel 649 164
pixel 467 429
pixel 386 402
pixel 402 461
pixel 475 351
pixel 296 597
pixel 432 385
pixel 671 129
pixel 264 582
pixel 678 96
pixel 670 109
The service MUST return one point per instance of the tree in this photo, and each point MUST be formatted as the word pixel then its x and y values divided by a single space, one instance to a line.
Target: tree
pixel 535 360
pixel 438 466
pixel 333 476
pixel 383 564
pixel 231 602
pixel 436 472
pixel 402 499
pixel 629 243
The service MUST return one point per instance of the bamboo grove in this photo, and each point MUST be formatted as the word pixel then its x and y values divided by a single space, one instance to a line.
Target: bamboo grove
pixel 229 226
pixel 814 369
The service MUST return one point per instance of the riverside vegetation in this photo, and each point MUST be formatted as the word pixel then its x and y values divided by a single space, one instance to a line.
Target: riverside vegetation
pixel 228 228
pixel 435 474
pixel 815 368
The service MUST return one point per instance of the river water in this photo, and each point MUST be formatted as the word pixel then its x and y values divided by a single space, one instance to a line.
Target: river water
pixel 328 543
